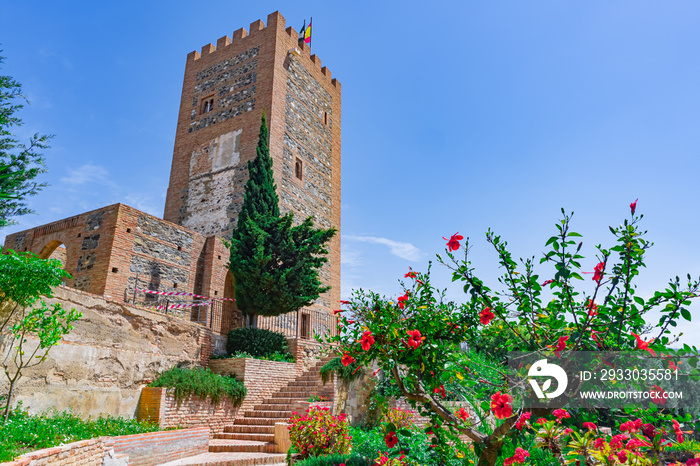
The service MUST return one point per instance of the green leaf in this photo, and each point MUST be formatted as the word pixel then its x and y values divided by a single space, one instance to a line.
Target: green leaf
pixel 686 314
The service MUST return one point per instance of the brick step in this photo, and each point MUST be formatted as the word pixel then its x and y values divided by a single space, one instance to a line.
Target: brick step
pixel 253 413
pixel 303 383
pixel 270 407
pixel 267 437
pixel 279 401
pixel 259 421
pixel 230 459
pixel 239 446
pixel 249 429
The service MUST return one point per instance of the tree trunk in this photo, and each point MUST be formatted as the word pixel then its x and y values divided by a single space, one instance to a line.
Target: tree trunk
pixel 489 453
pixel 6 414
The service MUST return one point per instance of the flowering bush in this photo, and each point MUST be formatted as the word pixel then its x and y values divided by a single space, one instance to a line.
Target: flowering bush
pixel 414 339
pixel 400 418
pixel 319 432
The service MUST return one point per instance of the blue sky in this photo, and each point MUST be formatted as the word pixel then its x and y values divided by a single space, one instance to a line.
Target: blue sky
pixel 457 116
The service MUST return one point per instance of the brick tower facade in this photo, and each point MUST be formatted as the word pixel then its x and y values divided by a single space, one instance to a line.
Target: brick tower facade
pixel 225 90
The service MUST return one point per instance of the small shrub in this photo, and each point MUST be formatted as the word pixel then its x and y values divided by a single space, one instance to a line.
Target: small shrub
pixel 540 457
pixel 319 432
pixel 202 383
pixel 334 460
pixel 256 341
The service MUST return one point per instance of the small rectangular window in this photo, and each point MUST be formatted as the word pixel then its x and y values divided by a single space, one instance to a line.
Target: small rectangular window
pixel 305 324
pixel 298 169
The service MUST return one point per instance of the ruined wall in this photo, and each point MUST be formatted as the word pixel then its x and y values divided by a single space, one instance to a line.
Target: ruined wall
pixel 113 351
pixel 106 249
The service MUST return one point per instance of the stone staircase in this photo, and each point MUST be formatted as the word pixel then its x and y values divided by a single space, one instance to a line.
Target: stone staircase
pixel 250 439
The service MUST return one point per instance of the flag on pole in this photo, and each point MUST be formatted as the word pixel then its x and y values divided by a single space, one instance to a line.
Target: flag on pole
pixel 305 34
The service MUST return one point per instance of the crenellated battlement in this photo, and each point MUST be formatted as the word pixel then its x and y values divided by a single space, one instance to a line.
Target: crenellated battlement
pixel 275 21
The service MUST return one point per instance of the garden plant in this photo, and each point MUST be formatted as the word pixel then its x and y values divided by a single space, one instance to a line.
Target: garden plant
pixel 415 341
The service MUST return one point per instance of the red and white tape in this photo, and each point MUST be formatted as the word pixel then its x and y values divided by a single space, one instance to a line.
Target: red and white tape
pixel 180 306
pixel 182 293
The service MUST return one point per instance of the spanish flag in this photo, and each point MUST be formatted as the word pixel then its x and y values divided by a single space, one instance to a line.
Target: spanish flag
pixel 305 34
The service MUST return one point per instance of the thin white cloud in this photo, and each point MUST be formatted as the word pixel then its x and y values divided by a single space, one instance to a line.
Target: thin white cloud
pixel 400 249
pixel 350 256
pixel 88 174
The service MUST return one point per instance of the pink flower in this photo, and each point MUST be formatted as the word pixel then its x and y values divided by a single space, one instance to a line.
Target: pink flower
pixel 453 242
pixel 518 457
pixel 367 340
pixel 590 426
pixel 547 282
pixel 633 206
pixel 486 316
pixel 657 395
pixel 561 414
pixel 522 420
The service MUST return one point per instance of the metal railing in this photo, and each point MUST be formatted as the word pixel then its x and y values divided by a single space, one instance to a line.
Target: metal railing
pixel 223 316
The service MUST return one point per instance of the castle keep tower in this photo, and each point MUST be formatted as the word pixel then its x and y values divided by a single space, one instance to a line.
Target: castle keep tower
pixel 225 90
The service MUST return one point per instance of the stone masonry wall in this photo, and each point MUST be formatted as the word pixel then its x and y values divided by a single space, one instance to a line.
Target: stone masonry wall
pixel 83 453
pixel 114 350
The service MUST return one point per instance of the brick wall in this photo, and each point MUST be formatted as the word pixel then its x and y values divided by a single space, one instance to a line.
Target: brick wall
pixel 156 405
pixel 159 447
pixel 83 453
pixel 261 378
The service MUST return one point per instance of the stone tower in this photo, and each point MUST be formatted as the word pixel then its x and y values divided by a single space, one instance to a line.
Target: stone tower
pixel 225 90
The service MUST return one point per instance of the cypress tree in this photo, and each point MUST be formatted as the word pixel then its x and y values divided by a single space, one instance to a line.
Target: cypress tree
pixel 274 263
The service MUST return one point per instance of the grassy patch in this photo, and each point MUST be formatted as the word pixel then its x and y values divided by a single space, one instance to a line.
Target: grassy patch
pixel 24 432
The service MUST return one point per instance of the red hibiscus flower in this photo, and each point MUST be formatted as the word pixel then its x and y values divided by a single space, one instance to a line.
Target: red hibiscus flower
pixel 561 346
pixel 462 414
pixel 643 345
pixel 391 439
pixel 500 405
pixel 415 339
pixel 592 308
pixel 344 302
pixel 337 311
pixel 547 282
pixel 522 420
pixel 402 300
pixel 598 272
pixel 595 338
pixel 561 414
pixel 410 274
pixel 677 430
pixel 440 390
pixel 486 316
pixel 590 426
pixel 633 206
pixel 453 242
pixel 367 340
pixel 347 359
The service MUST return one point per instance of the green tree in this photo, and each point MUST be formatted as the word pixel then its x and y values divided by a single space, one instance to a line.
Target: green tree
pixel 24 279
pixel 19 163
pixel 275 263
